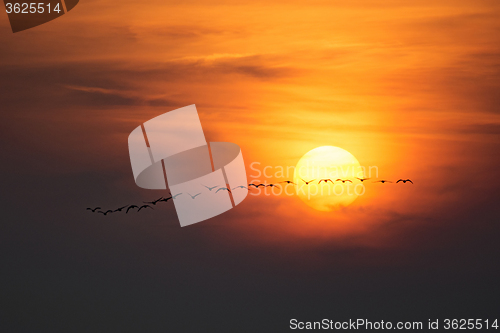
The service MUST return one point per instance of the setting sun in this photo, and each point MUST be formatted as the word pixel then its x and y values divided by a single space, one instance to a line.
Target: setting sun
pixel 326 178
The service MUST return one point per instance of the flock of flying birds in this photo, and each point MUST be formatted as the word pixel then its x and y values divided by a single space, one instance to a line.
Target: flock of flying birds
pixel 149 204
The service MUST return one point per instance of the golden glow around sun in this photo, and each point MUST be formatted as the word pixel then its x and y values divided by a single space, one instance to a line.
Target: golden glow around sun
pixel 332 163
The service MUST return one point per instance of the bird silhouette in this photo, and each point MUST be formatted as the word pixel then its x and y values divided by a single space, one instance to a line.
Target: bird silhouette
pixel 211 188
pixel 175 196
pixel 194 196
pixel 307 183
pixel 106 212
pixel 154 202
pixel 362 179
pixel 166 199
pixel 343 180
pixel 120 209
pixel 383 181
pixel 288 182
pixel 241 186
pixel 325 180
pixel 93 210
pixel 255 185
pixel 404 181
pixel 223 189
pixel 271 185
pixel 144 206
pixel 131 207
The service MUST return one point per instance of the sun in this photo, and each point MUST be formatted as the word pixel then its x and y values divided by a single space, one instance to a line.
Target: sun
pixel 325 163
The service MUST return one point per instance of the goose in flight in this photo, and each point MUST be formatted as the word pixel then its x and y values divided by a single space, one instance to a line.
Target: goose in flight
pixel 325 180
pixel 154 202
pixel 257 185
pixel 120 209
pixel 307 183
pixel 362 179
pixel 343 180
pixel 383 181
pixel 223 189
pixel 211 188
pixel 144 206
pixel 288 182
pixel 93 210
pixel 131 207
pixel 106 212
pixel 194 196
pixel 404 181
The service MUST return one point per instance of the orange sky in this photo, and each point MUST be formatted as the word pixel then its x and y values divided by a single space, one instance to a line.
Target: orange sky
pixel 410 87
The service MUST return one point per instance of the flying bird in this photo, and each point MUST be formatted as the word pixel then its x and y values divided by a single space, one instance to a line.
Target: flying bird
pixel 241 186
pixel 120 209
pixel 93 210
pixel 383 181
pixel 343 180
pixel 131 207
pixel 223 189
pixel 255 185
pixel 404 181
pixel 362 179
pixel 175 196
pixel 194 196
pixel 271 185
pixel 166 199
pixel 325 180
pixel 288 182
pixel 144 206
pixel 307 183
pixel 154 202
pixel 211 188
pixel 106 212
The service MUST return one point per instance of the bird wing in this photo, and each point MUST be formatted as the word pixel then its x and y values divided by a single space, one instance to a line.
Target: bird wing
pixel 410 181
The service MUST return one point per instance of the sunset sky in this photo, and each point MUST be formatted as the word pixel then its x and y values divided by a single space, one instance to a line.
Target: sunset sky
pixel 411 87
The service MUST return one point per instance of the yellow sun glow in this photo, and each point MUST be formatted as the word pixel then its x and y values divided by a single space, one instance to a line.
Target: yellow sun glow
pixel 332 163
